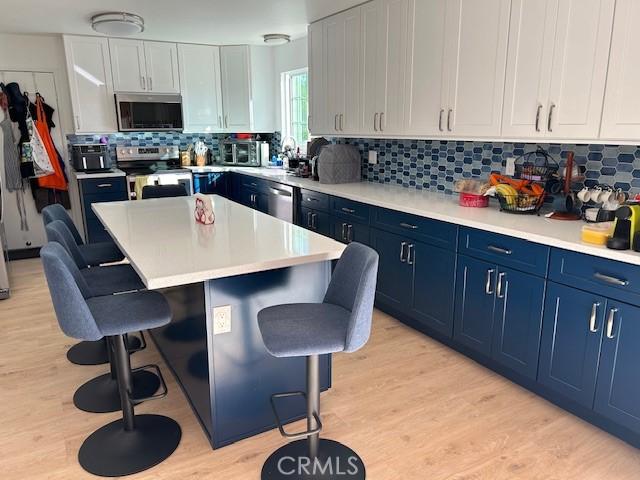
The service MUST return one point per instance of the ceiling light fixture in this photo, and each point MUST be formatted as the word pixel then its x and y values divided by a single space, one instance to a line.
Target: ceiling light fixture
pixel 118 24
pixel 276 39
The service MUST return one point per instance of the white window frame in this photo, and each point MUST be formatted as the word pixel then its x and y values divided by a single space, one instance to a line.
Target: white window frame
pixel 285 95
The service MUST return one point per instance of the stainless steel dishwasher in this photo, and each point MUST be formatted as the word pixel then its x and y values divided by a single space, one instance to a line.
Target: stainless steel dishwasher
pixel 280 202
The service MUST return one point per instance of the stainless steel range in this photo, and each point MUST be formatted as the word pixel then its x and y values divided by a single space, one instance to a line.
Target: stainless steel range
pixel 152 166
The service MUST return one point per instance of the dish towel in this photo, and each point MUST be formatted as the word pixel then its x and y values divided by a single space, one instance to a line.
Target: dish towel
pixel 141 182
pixel 13 179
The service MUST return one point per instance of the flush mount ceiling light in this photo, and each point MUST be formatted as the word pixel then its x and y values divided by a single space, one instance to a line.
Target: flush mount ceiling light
pixel 118 24
pixel 276 39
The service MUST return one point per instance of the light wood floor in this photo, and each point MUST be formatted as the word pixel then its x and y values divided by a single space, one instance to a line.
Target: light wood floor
pixel 413 409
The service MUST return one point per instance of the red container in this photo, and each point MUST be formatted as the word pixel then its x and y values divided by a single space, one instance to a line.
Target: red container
pixel 473 200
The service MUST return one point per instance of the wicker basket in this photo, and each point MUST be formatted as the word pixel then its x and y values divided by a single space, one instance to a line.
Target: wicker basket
pixel 521 203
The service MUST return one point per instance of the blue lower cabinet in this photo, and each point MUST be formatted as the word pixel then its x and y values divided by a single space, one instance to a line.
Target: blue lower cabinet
pixel 210 183
pixel 572 329
pixel 475 298
pixel 517 322
pixel 433 287
pixel 618 385
pixel 395 275
pixel 315 221
pixel 99 190
pixel 347 232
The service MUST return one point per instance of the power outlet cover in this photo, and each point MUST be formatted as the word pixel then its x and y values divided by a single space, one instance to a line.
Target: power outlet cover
pixel 373 157
pixel 510 167
pixel 222 319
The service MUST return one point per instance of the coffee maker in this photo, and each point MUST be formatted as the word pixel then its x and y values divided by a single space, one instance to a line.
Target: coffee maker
pixel 625 233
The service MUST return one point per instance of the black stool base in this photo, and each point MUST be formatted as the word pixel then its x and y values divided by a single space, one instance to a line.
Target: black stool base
pixel 334 460
pixel 111 451
pixel 101 395
pixel 95 353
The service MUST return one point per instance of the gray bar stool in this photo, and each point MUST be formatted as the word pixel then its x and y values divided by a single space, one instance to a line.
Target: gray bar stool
pixel 163 191
pixel 93 253
pixel 135 442
pixel 103 281
pixel 341 323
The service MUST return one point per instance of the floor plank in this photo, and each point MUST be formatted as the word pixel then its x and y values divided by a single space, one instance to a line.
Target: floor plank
pixel 412 408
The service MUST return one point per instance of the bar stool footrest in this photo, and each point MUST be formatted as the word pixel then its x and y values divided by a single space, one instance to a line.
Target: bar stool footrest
pixel 279 423
pixel 163 386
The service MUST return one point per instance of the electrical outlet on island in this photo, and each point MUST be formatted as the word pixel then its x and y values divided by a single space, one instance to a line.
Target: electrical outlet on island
pixel 222 319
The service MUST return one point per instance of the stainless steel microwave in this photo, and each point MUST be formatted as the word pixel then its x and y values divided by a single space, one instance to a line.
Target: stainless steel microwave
pixel 139 112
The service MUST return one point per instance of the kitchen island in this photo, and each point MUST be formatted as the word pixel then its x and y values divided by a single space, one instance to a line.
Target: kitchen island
pixel 216 278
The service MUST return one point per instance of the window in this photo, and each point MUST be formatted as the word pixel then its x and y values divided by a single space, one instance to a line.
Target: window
pixel 295 107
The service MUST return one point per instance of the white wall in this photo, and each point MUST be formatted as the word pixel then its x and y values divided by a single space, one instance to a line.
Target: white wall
pixel 290 56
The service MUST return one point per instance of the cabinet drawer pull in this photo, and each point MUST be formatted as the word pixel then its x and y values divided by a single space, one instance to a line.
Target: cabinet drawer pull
pixel 311 199
pixel 410 257
pixel 538 111
pixel 550 121
pixel 402 246
pixel 375 122
pixel 348 210
pixel 487 287
pixel 440 127
pixel 503 251
pixel 611 280
pixel 501 276
pixel 593 326
pixel 105 185
pixel 409 226
pixel 612 316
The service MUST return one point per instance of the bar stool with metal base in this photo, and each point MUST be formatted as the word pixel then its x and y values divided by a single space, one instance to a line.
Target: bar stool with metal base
pixel 103 281
pixel 341 323
pixel 136 442
pixel 100 394
pixel 163 191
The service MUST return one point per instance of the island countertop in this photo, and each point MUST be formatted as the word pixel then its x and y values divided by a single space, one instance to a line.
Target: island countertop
pixel 168 248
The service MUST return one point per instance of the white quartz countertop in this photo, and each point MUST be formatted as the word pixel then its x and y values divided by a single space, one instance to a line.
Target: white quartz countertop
pixel 167 247
pixel 438 206
pixel 114 172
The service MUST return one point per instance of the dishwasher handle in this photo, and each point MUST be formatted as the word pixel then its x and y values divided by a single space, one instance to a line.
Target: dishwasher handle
pixel 282 193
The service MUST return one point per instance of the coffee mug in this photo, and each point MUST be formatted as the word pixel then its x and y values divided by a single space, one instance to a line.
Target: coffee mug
pixel 584 195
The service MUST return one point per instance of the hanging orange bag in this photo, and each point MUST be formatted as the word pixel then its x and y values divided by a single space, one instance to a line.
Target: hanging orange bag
pixel 56 180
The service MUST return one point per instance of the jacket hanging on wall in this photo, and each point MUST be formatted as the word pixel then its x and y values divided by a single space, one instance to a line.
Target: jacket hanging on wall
pixel 57 179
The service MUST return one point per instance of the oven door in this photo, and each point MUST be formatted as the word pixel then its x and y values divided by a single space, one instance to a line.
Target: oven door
pixel 140 112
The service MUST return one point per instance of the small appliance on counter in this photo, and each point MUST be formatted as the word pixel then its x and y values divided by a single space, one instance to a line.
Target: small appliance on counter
pixel 244 153
pixel 626 228
pixel 90 157
pixel 339 164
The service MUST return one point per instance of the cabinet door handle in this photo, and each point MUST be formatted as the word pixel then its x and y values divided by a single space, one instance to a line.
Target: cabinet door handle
pixel 77 122
pixel 335 122
pixel 538 112
pixel 308 219
pixel 409 226
pixel 593 327
pixel 105 185
pixel 440 127
pixel 550 121
pixel 150 84
pixel 344 232
pixel 501 276
pixel 487 287
pixel 380 123
pixel 411 254
pixel 226 121
pixel 375 122
pixel 611 280
pixel 449 119
pixel 503 251
pixel 610 320
pixel 220 121
pixel 342 122
pixel 314 221
pixel 349 233
pixel 143 82
pixel 402 247
pixel 348 210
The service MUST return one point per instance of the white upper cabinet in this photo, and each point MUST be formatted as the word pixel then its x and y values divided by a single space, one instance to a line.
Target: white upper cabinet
pixel 128 65
pixel 144 67
pixel 579 72
pixel 425 83
pixel 477 52
pixel 530 57
pixel 89 72
pixel 236 87
pixel 372 67
pixel 317 86
pixel 201 88
pixel 161 60
pixel 621 117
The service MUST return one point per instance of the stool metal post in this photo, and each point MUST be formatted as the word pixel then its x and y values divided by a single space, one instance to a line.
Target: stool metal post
pixel 313 402
pixel 123 369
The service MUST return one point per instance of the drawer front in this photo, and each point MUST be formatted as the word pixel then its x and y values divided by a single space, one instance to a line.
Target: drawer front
pixel 314 200
pixel 595 274
pixel 434 232
pixel 350 210
pixel 315 221
pixel 95 186
pixel 88 200
pixel 508 251
pixel 251 183
pixel 347 232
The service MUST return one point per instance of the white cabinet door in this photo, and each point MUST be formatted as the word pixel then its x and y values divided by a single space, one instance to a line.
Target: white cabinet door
pixel 478 36
pixel 372 66
pixel 426 88
pixel 621 117
pixel 583 37
pixel 317 85
pixel 393 53
pixel 161 60
pixel 201 89
pixel 128 65
pixel 89 72
pixel 334 37
pixel 531 40
pixel 236 88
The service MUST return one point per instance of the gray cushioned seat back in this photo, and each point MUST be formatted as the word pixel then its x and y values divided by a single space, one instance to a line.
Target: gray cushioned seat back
pixel 353 287
pixel 68 293
pixel 57 231
pixel 54 212
pixel 163 191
